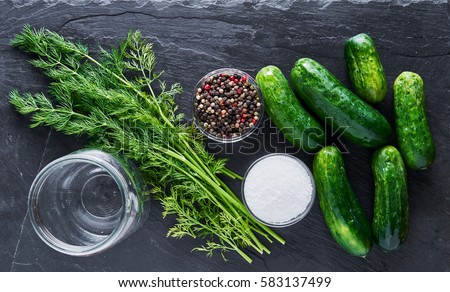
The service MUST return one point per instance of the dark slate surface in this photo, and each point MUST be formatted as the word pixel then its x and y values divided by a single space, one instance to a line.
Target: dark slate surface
pixel 189 42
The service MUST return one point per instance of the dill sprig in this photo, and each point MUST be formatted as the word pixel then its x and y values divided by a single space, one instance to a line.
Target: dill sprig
pixel 113 100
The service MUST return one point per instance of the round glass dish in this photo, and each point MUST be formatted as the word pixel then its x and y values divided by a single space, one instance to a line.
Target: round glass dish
pixel 86 202
pixel 278 190
pixel 247 130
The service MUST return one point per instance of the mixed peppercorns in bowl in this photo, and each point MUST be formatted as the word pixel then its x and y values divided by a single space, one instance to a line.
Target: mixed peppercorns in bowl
pixel 228 105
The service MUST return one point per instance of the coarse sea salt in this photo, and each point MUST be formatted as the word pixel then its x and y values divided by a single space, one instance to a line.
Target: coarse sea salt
pixel 278 189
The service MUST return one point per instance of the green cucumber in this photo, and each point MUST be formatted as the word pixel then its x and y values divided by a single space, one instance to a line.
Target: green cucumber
pixel 343 214
pixel 413 133
pixel 391 211
pixel 328 98
pixel 365 69
pixel 286 112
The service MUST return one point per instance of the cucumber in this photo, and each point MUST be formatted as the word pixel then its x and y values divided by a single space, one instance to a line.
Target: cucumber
pixel 413 133
pixel 391 211
pixel 343 214
pixel 364 68
pixel 328 98
pixel 286 112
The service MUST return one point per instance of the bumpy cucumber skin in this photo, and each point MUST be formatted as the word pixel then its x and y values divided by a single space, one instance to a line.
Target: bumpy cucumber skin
pixel 327 97
pixel 286 112
pixel 413 133
pixel 343 214
pixel 391 209
pixel 365 69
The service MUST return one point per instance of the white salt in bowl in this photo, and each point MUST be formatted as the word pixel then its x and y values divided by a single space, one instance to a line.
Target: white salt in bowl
pixel 278 190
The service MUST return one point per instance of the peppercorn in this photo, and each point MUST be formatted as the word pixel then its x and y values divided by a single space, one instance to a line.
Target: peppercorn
pixel 226 106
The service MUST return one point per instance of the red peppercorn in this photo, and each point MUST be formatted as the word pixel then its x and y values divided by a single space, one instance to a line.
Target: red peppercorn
pixel 254 122
pixel 232 78
pixel 244 115
pixel 239 91
pixel 243 79
pixel 242 120
pixel 207 87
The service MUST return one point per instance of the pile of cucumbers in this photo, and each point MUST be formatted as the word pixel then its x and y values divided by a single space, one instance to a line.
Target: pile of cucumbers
pixel 351 113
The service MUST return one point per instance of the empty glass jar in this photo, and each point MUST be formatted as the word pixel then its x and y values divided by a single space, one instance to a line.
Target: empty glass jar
pixel 86 202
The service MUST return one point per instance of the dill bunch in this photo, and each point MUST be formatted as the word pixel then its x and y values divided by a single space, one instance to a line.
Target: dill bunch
pixel 122 105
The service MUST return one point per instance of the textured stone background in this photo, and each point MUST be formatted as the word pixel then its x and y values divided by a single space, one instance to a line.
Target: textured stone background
pixel 192 38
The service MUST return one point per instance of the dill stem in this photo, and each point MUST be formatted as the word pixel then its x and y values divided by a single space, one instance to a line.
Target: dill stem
pixel 232 198
pixel 182 158
pixel 217 188
pixel 259 246
pixel 231 174
pixel 242 253
pixel 195 159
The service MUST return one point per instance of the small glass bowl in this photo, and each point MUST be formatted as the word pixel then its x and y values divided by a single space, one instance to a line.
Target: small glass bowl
pixel 248 131
pixel 298 217
pixel 86 202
